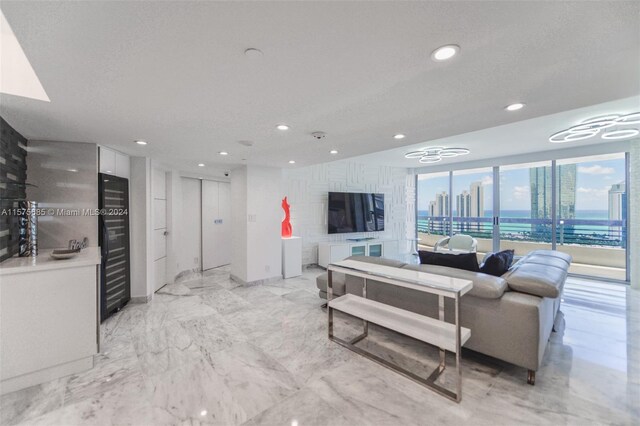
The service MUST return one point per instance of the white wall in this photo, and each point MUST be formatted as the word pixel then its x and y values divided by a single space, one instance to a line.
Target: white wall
pixel 307 190
pixel 140 229
pixel 48 165
pixel 256 193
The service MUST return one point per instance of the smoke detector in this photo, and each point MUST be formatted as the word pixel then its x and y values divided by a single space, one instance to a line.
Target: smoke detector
pixel 319 135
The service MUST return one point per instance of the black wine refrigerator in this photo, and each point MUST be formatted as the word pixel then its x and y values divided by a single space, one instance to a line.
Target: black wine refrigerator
pixel 115 279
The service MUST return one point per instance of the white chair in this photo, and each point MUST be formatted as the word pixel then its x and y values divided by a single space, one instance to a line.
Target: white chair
pixel 459 243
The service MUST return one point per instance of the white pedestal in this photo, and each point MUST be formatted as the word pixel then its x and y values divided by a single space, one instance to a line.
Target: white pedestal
pixel 291 257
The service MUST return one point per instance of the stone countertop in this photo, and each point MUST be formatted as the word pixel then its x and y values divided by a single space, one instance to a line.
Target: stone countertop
pixel 43 261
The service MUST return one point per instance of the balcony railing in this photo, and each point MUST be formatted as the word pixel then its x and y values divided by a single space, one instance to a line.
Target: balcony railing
pixel 584 232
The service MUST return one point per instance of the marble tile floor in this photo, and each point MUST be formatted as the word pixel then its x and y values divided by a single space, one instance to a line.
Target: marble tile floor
pixel 208 351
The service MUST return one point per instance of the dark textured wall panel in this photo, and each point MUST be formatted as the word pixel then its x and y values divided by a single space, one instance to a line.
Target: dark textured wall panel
pixel 13 176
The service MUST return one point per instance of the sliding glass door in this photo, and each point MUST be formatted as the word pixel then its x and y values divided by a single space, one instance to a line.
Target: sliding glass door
pixel 577 206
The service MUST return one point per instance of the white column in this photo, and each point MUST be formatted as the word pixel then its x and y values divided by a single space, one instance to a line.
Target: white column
pixel 140 230
pixel 256 195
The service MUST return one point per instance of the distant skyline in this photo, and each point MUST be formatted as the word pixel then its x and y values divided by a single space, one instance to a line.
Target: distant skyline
pixel 593 181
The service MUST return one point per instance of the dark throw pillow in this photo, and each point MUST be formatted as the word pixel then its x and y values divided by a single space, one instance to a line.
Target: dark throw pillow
pixel 498 263
pixel 466 261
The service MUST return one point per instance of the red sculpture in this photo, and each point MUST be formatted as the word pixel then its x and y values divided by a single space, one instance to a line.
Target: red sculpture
pixel 286 224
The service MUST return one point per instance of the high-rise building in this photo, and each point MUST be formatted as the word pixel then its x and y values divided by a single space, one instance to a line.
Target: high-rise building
pixel 463 208
pixel 618 210
pixel 463 204
pixel 442 204
pixel 541 197
pixel 476 193
pixel 617 205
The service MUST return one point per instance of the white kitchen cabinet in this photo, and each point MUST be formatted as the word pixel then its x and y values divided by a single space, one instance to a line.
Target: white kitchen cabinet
pixel 50 314
pixel 107 161
pixel 122 165
pixel 114 163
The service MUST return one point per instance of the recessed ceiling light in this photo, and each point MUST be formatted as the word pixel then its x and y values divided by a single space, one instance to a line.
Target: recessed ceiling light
pixel 72 170
pixel 223 153
pixel 109 171
pixel 292 162
pixel 141 142
pixel 514 107
pixel 445 52
pixel 399 136
pixel 282 127
pixel 252 52
pixel 333 152
pixel 201 165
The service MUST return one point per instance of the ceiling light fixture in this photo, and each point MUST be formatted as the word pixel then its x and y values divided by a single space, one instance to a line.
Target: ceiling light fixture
pixel 620 134
pixel 333 152
pixel 434 154
pixel 282 127
pixel 399 136
pixel 514 107
pixel 223 153
pixel 292 162
pixel 140 142
pixel 613 123
pixel 72 170
pixel 445 52
pixel 201 165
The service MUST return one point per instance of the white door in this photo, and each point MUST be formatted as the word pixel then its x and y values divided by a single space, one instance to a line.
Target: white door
pixel 190 235
pixel 216 226
pixel 159 191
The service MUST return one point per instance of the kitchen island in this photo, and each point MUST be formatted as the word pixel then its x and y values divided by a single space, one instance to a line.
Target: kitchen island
pixel 49 325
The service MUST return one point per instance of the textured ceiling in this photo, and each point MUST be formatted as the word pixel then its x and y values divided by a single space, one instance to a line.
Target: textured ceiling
pixel 174 73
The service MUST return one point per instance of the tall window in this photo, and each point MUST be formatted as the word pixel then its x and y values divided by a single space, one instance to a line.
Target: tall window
pixel 577 206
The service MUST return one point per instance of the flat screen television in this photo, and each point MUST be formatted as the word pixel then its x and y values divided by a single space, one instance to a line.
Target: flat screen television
pixel 355 212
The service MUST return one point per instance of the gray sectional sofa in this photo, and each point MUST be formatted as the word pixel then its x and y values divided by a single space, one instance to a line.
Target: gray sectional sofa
pixel 511 317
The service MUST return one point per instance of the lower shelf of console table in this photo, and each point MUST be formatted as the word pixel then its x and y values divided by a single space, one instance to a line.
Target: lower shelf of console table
pixel 448 337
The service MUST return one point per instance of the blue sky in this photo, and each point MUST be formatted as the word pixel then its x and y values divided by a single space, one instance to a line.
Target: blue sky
pixel 594 178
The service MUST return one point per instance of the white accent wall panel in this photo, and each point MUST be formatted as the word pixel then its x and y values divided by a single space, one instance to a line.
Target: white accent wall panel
pixel 307 189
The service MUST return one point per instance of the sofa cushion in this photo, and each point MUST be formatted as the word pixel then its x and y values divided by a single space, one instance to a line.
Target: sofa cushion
pixel 484 286
pixel 466 261
pixel 497 264
pixel 538 280
pixel 553 253
pixel 547 261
